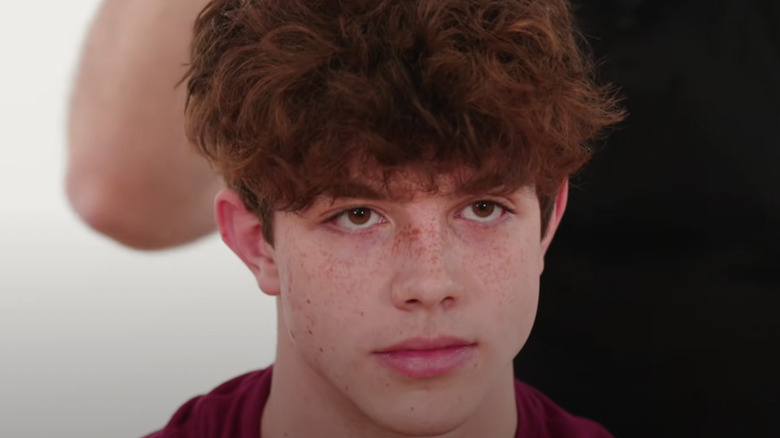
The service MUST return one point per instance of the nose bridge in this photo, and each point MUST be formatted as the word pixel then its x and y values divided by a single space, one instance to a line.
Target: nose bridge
pixel 425 245
pixel 425 272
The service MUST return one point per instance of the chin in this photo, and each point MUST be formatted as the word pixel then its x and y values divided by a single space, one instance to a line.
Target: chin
pixel 433 419
pixel 423 427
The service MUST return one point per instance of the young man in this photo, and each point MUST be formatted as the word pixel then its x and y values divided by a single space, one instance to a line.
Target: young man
pixel 396 172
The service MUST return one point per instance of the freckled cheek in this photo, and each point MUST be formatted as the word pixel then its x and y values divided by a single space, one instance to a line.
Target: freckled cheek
pixel 328 300
pixel 298 299
pixel 508 277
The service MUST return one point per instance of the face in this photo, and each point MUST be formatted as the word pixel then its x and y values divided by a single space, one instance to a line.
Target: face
pixel 409 312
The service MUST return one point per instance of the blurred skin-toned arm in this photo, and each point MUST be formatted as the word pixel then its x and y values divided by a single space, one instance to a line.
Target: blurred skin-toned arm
pixel 131 173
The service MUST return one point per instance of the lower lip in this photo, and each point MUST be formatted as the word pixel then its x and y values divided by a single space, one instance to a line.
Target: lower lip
pixel 426 364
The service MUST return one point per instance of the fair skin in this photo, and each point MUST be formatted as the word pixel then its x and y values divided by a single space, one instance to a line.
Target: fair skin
pixel 397 318
pixel 132 175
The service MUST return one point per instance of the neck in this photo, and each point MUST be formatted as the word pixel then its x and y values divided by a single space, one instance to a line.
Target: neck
pixel 303 404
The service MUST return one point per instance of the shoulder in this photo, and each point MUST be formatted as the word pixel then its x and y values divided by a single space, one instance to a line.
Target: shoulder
pixel 233 409
pixel 538 416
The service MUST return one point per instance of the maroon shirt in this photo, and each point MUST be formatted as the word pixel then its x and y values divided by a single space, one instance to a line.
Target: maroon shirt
pixel 234 410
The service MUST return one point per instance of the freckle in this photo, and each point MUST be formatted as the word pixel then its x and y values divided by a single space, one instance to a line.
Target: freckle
pixel 310 332
pixel 411 408
pixel 322 350
pixel 308 301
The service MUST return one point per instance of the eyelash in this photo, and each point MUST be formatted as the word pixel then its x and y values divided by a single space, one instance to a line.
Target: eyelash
pixel 332 220
pixel 504 210
pixel 343 213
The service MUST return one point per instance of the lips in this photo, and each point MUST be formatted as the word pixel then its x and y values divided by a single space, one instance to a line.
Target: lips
pixel 421 358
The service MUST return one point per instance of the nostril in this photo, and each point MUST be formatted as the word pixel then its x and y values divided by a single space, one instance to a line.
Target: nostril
pixel 447 302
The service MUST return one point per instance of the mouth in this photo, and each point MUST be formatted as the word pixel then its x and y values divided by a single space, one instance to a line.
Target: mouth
pixel 421 358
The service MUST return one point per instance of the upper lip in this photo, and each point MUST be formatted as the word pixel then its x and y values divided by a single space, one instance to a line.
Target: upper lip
pixel 425 344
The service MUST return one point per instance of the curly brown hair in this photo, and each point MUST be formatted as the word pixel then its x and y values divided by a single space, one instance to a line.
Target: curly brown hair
pixel 285 95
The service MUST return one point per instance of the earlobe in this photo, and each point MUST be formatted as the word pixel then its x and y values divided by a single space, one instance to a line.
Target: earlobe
pixel 242 231
pixel 561 198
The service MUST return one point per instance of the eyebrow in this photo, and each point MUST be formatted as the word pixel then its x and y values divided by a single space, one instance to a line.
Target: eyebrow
pixel 355 189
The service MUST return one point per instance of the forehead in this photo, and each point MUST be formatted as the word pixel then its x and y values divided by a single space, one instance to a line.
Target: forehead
pixel 406 182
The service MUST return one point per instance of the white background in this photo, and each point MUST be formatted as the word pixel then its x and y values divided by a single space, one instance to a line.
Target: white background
pixel 97 340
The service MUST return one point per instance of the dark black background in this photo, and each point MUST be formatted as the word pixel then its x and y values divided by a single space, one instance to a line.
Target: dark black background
pixel 660 302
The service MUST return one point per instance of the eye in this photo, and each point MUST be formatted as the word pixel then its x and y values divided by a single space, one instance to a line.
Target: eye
pixel 483 211
pixel 357 218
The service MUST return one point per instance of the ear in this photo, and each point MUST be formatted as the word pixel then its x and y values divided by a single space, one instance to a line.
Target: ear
pixel 561 198
pixel 242 231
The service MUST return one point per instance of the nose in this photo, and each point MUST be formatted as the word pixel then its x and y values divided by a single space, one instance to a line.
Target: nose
pixel 426 261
